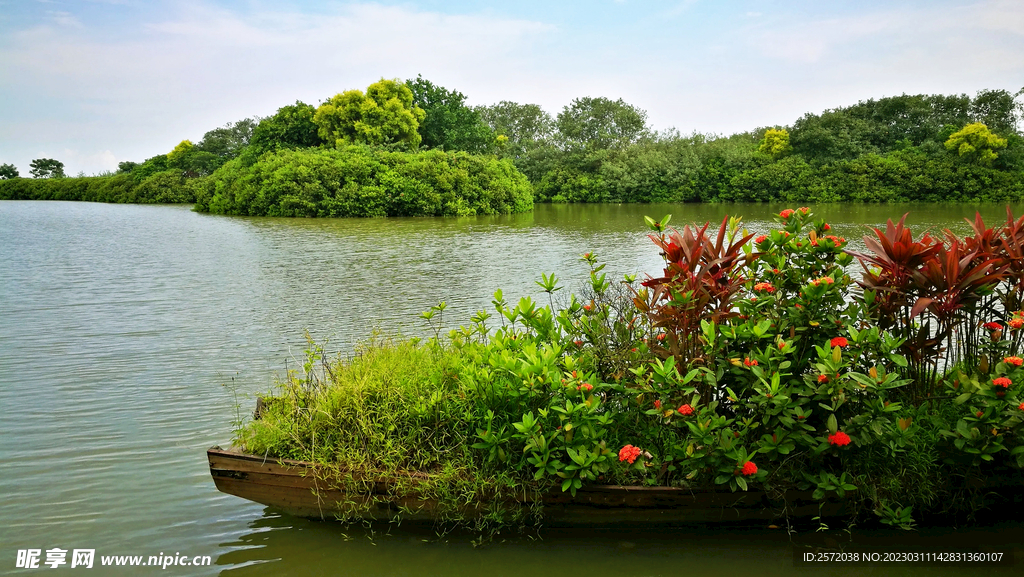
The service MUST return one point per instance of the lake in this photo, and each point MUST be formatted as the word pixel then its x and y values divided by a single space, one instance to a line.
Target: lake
pixel 132 337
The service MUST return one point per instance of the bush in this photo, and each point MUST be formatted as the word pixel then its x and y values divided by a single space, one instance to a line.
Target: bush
pixel 364 181
pixel 165 187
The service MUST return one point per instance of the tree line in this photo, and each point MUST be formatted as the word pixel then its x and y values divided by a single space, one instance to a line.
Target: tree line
pixel 902 148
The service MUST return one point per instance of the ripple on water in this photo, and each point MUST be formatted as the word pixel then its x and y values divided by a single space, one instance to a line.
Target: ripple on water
pixel 121 325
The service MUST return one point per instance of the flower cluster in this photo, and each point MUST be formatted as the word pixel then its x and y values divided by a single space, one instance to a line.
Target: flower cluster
pixel 992 326
pixel 749 468
pixel 750 362
pixel 764 286
pixel 839 439
pixel 787 213
pixel 824 279
pixel 1002 382
pixel 1015 361
pixel 760 239
pixel 686 410
pixel 629 453
pixel 838 342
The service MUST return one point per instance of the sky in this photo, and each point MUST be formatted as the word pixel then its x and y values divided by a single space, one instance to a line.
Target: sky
pixel 95 82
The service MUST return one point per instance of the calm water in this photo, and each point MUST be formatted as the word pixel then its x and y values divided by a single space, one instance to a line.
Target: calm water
pixel 132 336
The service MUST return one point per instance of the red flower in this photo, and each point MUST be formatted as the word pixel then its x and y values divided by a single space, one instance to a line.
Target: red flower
pixel 1021 406
pixel 978 414
pixel 764 286
pixel 993 326
pixel 786 213
pixel 760 239
pixel 827 227
pixel 822 378
pixel 827 280
pixel 749 468
pixel 775 270
pixel 657 404
pixel 686 410
pixel 840 438
pixel 661 337
pixel 750 362
pixel 586 387
pixel 578 343
pixel 629 453
pixel 1002 382
pixel 838 342
pixel 586 307
pixel 804 209
pixel 1016 323
pixel 1015 361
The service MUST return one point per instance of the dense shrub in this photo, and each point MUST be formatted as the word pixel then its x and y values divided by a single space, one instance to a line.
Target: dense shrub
pixel 365 181
pixel 166 187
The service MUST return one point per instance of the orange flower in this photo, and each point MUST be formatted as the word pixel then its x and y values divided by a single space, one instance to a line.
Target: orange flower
pixel 822 378
pixel 686 410
pixel 1002 382
pixel 787 213
pixel 750 362
pixel 838 342
pixel 749 468
pixel 1016 323
pixel 1015 361
pixel 629 453
pixel 764 286
pixel 760 239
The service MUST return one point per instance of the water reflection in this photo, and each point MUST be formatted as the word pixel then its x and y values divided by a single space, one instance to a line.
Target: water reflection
pixel 281 545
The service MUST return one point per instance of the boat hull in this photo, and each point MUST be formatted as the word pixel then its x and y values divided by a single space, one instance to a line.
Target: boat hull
pixel 301 489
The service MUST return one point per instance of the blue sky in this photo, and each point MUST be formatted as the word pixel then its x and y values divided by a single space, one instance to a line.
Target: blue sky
pixel 92 83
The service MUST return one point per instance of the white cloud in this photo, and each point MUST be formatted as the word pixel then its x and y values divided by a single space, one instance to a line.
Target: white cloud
pixel 207 66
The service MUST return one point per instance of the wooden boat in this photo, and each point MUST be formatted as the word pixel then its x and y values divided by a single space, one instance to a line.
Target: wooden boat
pixel 302 489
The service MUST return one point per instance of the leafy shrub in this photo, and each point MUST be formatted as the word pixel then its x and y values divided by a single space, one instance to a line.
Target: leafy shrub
pixel 363 181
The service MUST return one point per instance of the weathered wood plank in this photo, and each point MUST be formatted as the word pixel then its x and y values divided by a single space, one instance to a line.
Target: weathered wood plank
pixel 300 489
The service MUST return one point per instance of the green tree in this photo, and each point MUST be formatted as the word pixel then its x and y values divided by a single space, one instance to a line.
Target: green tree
pixel 977 143
pixel 228 141
pixel 525 126
pixel 291 127
pixel 46 168
pixel 176 157
pixel 192 161
pixel 599 123
pixel 384 115
pixel 996 109
pixel 448 123
pixel 8 171
pixel 775 142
